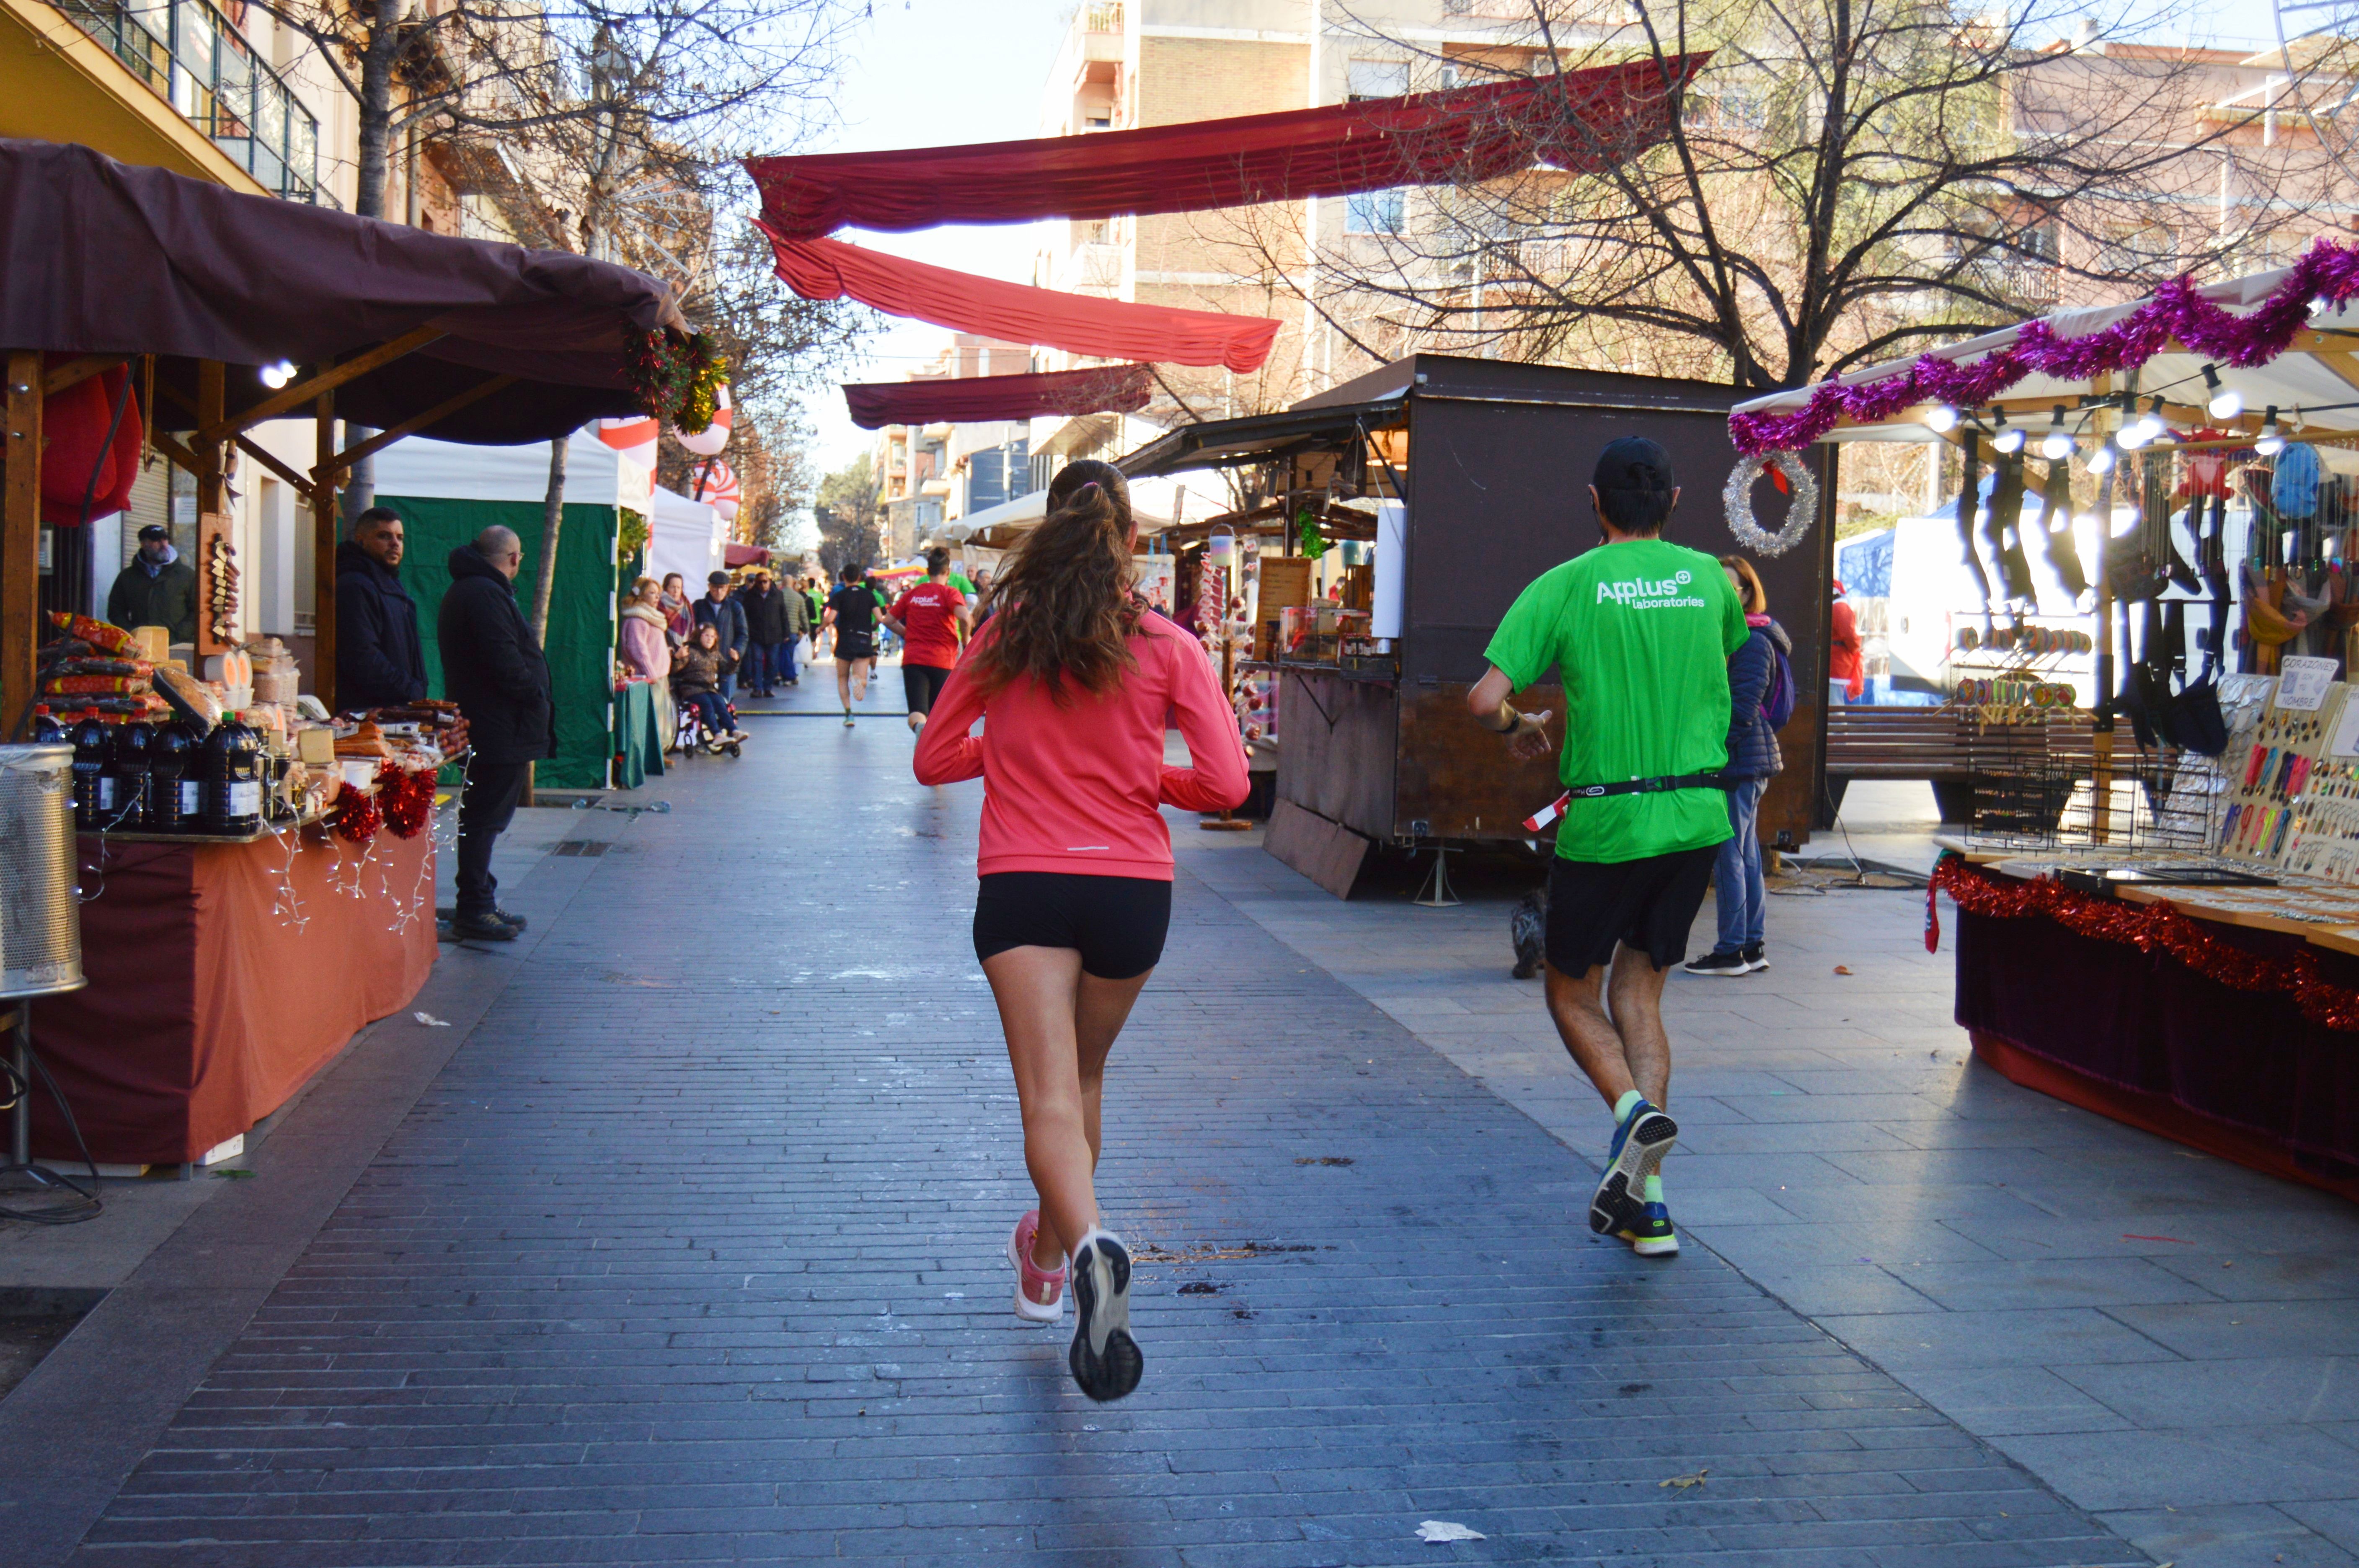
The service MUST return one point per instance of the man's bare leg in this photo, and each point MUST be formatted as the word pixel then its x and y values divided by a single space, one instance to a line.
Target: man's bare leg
pixel 1623 1048
pixel 1611 1024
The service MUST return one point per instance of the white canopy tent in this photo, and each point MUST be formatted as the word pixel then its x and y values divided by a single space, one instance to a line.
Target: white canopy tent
pixel 594 472
pixel 684 536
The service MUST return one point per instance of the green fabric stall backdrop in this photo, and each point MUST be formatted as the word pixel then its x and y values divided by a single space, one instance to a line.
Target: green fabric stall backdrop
pixel 581 611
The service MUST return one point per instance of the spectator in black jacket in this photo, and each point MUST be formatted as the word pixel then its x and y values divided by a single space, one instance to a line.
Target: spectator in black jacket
pixel 727 616
pixel 380 658
pixel 492 668
pixel 774 624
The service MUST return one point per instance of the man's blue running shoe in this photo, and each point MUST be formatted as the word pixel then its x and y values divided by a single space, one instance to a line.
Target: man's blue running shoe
pixel 1640 1145
pixel 1652 1236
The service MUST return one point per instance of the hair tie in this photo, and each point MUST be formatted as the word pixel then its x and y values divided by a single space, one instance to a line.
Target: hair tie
pixel 1086 490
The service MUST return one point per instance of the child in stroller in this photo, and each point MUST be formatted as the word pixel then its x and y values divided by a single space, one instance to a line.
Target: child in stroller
pixel 705 718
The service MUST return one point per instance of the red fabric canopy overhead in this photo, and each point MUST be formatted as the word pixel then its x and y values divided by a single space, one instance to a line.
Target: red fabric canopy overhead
pixel 1582 121
pixel 1101 389
pixel 734 554
pixel 1078 323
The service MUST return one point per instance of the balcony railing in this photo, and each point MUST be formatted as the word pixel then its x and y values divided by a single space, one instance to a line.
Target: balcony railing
pixel 1101 16
pixel 193 60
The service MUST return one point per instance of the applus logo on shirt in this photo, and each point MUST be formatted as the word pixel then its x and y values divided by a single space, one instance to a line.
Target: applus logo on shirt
pixel 1638 593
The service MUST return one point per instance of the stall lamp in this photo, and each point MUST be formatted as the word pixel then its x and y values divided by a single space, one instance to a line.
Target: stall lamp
pixel 2151 427
pixel 2226 401
pixel 2056 444
pixel 2101 461
pixel 2132 435
pixel 1940 418
pixel 2272 439
pixel 276 376
pixel 2006 438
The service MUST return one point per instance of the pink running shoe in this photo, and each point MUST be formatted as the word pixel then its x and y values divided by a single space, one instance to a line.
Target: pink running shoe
pixel 1040 1293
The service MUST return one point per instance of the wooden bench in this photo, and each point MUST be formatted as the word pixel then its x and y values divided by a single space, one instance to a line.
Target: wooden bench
pixel 1946 748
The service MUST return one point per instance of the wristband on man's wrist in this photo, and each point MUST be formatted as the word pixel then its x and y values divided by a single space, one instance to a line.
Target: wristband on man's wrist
pixel 1515 720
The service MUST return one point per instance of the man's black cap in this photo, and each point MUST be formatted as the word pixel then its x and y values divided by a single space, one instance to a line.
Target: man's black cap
pixel 1633 462
pixel 154 531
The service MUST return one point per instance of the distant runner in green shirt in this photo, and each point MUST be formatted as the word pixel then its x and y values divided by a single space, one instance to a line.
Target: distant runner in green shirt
pixel 1640 632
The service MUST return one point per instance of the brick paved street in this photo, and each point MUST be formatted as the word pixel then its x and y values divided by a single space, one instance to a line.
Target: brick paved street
pixel 691 1254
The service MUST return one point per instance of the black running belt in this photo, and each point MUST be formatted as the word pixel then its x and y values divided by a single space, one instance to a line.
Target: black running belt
pixel 1652 787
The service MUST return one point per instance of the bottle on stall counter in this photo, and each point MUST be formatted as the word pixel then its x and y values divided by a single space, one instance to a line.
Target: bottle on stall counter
pixel 233 780
pixel 126 763
pixel 177 804
pixel 93 790
pixel 47 730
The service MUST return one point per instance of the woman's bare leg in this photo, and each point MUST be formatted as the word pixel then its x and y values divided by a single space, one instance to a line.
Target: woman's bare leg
pixel 1059 1024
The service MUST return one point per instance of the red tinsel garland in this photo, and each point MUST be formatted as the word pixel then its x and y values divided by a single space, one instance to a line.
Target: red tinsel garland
pixel 357 818
pixel 2150 927
pixel 406 798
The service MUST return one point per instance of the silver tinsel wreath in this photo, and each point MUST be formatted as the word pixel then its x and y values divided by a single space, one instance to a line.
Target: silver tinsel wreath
pixel 1737 497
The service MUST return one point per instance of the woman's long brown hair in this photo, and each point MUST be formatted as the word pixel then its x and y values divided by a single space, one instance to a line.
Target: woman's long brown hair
pixel 1062 603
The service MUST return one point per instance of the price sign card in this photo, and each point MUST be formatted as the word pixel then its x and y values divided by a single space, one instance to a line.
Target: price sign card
pixel 2302 683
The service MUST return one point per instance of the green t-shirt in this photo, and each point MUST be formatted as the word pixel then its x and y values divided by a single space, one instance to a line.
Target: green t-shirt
pixel 1642 630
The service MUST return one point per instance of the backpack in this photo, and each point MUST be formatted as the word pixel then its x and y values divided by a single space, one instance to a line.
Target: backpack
pixel 1777 696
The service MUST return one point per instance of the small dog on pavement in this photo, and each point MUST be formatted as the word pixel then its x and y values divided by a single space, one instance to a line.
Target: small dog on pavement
pixel 1528 929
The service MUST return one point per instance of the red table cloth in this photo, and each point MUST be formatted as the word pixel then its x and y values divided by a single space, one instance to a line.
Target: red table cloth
pixel 208 1005
pixel 2141 1038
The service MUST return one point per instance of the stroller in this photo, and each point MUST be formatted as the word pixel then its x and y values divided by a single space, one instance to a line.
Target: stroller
pixel 692 736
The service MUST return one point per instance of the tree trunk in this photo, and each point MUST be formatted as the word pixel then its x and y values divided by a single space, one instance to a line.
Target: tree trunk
pixel 552 522
pixel 384 19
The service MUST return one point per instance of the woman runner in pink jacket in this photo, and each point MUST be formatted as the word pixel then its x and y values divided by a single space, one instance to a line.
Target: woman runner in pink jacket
pixel 1073 677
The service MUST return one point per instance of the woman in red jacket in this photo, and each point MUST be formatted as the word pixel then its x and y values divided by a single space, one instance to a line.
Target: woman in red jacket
pixel 1074 676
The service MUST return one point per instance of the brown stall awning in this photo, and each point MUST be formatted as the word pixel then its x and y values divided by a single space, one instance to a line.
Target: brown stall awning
pixel 105 258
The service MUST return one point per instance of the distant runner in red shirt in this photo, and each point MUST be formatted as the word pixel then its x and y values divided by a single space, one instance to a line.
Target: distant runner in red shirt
pixel 931 619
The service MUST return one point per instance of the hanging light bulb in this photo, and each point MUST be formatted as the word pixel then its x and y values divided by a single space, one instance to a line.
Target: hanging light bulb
pixel 2272 439
pixel 2056 444
pixel 2320 305
pixel 2132 435
pixel 2226 401
pixel 2151 427
pixel 2005 437
pixel 2101 461
pixel 1940 418
pixel 276 376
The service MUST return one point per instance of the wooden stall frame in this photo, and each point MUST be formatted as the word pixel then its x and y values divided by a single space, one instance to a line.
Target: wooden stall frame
pixel 205 454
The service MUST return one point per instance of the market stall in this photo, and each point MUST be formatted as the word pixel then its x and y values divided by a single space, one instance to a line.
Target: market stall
pixel 2163 925
pixel 257 869
pixel 1429 493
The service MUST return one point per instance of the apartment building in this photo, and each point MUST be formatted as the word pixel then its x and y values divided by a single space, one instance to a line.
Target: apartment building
pixel 1124 64
pixel 934 474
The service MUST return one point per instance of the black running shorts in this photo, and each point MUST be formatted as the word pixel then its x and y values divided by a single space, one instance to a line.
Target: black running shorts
pixel 1646 904
pixel 923 684
pixel 1116 924
pixel 851 645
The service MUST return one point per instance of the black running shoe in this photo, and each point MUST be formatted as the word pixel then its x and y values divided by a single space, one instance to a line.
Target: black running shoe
pixel 1105 1359
pixel 1640 1145
pixel 481 928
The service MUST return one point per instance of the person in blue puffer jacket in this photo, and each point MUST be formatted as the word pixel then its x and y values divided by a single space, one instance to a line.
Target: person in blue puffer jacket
pixel 1755 672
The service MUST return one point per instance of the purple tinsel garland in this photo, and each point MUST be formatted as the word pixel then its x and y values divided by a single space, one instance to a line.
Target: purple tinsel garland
pixel 2175 314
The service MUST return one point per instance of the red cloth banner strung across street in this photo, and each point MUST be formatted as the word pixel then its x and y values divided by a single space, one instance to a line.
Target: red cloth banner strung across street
pixel 1580 121
pixel 1101 389
pixel 1077 323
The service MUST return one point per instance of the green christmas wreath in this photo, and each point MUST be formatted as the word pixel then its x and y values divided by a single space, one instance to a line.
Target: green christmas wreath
pixel 677 379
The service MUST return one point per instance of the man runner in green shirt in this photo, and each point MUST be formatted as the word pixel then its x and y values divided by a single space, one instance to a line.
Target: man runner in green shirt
pixel 1641 631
